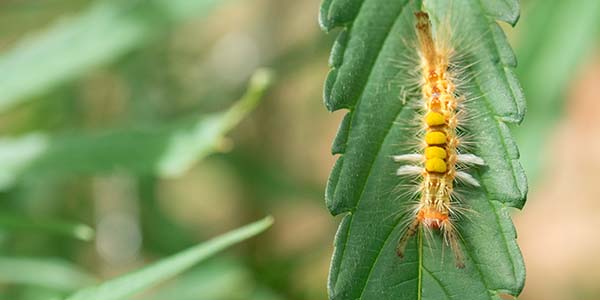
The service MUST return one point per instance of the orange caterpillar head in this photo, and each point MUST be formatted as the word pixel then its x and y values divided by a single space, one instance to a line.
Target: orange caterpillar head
pixel 432 217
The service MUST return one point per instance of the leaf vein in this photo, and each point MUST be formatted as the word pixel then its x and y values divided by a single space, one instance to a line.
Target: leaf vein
pixel 443 287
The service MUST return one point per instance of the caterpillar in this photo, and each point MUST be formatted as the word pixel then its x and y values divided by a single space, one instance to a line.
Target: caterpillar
pixel 441 160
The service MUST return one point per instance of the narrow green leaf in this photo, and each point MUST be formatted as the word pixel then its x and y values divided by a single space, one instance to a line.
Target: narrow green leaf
pixel 167 150
pixel 129 284
pixel 49 273
pixel 212 280
pixel 18 223
pixel 366 79
pixel 106 31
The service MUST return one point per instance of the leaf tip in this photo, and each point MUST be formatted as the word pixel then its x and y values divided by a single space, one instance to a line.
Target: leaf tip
pixel 268 221
pixel 262 78
pixel 262 224
pixel 83 232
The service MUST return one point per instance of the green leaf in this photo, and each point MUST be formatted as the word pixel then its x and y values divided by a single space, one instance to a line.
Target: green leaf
pixel 365 79
pixel 75 230
pixel 213 280
pixel 167 150
pixel 132 283
pixel 50 273
pixel 103 33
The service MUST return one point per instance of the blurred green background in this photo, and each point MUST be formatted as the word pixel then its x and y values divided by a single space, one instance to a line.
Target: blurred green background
pixel 95 96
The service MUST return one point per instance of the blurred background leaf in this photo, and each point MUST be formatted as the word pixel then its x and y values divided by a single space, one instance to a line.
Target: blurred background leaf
pixel 68 49
pixel 48 226
pixel 167 150
pixel 50 273
pixel 212 280
pixel 556 40
pixel 143 279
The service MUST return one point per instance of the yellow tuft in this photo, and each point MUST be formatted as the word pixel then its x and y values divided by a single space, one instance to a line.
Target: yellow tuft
pixel 434 119
pixel 435 165
pixel 435 138
pixel 435 152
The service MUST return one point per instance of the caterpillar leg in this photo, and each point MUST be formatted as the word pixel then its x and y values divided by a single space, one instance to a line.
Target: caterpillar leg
pixel 410 232
pixel 451 237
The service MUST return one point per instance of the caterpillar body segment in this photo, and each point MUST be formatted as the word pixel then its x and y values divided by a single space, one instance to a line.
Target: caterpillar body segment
pixel 439 164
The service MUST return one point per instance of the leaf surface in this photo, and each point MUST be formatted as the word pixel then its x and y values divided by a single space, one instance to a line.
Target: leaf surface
pixel 366 80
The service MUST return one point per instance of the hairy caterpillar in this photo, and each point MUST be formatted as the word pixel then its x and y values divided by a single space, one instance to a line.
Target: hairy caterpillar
pixel 442 160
